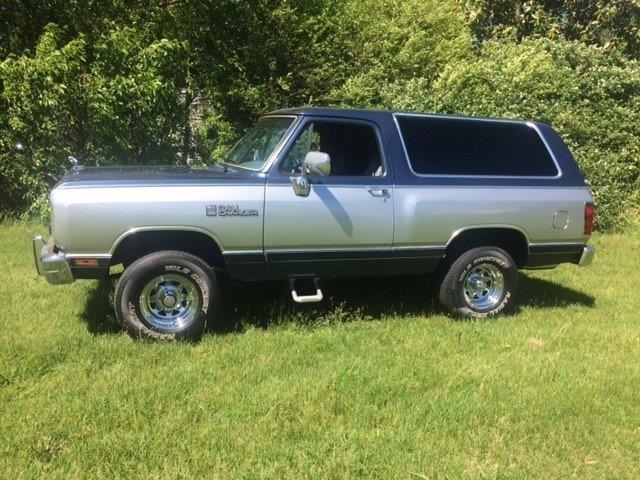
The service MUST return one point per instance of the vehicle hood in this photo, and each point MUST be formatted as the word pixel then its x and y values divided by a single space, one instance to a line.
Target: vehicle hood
pixel 156 174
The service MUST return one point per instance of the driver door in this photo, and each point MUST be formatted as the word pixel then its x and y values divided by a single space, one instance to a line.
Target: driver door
pixel 345 225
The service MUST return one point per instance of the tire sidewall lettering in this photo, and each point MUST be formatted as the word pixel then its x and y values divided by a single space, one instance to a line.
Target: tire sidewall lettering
pixel 202 285
pixel 128 301
pixel 204 291
pixel 177 269
pixel 132 312
pixel 486 259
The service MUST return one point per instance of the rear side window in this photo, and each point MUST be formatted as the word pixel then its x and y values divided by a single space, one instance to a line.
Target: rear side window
pixel 448 146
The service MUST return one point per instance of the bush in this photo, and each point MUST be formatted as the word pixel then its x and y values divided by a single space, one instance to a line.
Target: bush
pixel 115 101
pixel 376 44
pixel 177 82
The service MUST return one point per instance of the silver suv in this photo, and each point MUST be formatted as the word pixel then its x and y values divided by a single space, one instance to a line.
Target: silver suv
pixel 315 193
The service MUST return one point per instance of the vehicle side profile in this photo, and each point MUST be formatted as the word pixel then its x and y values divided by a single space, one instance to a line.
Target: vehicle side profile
pixel 312 193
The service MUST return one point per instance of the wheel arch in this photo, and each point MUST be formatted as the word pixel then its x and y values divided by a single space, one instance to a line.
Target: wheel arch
pixel 512 239
pixel 137 242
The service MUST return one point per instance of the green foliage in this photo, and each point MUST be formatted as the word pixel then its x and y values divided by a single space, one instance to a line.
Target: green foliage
pixel 606 23
pixel 144 81
pixel 42 111
pixel 246 58
pixel 23 22
pixel 380 43
pixel 115 101
pixel 213 135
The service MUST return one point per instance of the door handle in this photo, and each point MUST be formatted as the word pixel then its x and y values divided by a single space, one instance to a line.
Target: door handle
pixel 378 192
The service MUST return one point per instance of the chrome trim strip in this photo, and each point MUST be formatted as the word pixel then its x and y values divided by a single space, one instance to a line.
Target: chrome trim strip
pixel 519 187
pixel 353 253
pixel 95 184
pixel 314 181
pixel 489 225
pixel 509 177
pixel 233 252
pixel 283 141
pixel 105 256
pixel 184 228
pixel 401 248
pixel 330 250
pixel 554 244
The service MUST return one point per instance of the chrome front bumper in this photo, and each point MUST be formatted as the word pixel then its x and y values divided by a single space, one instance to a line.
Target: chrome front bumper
pixel 53 266
pixel 588 254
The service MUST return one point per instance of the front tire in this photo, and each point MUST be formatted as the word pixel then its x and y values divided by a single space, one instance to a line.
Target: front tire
pixel 167 295
pixel 481 282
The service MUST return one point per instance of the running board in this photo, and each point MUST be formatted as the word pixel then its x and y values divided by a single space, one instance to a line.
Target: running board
pixel 305 298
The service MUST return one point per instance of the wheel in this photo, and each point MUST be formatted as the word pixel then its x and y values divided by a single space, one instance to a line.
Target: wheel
pixel 481 282
pixel 167 295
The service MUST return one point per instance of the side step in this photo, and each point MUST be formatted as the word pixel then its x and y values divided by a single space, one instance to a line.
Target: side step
pixel 305 298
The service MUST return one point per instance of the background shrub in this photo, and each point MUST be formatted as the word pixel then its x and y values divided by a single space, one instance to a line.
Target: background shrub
pixel 144 81
pixel 116 102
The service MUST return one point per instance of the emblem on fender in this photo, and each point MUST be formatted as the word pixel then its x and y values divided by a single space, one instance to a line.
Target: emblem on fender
pixel 230 211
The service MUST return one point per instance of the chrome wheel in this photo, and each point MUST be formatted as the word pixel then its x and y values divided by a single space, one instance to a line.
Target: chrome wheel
pixel 169 302
pixel 483 286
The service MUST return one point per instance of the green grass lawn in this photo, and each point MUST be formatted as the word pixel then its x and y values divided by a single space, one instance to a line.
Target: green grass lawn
pixel 374 383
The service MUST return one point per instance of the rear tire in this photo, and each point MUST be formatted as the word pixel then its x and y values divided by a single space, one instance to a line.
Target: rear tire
pixel 481 282
pixel 167 295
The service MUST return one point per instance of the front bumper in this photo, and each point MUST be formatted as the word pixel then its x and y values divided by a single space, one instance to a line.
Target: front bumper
pixel 588 254
pixel 51 263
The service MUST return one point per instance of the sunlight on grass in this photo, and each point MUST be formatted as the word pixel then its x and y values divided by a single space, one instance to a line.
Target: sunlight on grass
pixel 373 383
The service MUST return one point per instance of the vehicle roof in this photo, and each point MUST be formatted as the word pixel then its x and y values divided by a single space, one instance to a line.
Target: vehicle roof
pixel 372 114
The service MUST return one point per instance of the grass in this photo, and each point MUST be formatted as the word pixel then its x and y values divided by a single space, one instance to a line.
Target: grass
pixel 375 383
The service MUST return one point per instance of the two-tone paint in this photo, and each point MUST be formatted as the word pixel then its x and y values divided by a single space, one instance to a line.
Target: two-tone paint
pixel 394 223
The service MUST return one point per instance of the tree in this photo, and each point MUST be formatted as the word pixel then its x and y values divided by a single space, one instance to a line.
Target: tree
pixel 120 104
pixel 606 23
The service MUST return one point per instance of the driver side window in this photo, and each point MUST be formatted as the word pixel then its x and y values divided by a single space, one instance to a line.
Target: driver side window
pixel 353 149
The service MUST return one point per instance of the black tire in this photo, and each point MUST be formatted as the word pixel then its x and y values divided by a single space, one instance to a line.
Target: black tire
pixel 184 270
pixel 452 289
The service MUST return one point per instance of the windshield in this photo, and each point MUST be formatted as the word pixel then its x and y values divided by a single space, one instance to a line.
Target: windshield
pixel 253 150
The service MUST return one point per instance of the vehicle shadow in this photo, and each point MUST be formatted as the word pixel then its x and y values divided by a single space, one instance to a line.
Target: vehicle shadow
pixel 98 311
pixel 264 305
pixel 370 299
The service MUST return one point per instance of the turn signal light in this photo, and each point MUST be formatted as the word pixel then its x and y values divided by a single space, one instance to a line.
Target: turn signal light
pixel 589 218
pixel 85 262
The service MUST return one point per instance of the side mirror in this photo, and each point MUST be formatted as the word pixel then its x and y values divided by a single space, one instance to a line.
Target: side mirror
pixel 301 186
pixel 315 163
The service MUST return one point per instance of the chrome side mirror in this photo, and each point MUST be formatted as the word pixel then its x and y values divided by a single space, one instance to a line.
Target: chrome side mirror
pixel 315 163
pixel 300 185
